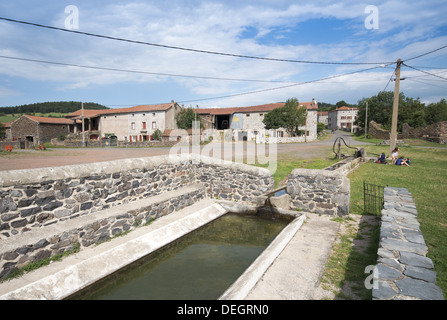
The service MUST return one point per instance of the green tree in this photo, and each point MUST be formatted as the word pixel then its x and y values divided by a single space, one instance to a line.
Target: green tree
pixel 290 117
pixel 436 112
pixel 186 117
pixel 412 111
pixel 380 109
pixel 274 119
pixel 157 134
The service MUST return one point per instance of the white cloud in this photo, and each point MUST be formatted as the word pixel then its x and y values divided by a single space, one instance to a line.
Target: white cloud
pixel 406 29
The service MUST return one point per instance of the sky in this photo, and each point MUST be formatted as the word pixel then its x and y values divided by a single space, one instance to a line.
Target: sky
pixel 327 50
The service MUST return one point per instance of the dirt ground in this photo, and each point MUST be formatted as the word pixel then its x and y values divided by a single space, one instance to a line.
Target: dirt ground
pixel 28 159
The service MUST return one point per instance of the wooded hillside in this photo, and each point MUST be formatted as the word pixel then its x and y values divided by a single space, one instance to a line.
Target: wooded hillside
pixel 47 107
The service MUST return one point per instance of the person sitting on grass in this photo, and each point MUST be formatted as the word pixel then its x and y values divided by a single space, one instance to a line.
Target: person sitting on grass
pixel 402 162
pixel 394 155
pixel 382 158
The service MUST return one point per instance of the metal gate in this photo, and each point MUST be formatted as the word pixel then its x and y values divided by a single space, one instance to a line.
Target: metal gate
pixel 372 198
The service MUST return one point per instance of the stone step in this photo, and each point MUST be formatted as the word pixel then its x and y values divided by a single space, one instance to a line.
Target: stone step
pixel 86 230
pixel 61 279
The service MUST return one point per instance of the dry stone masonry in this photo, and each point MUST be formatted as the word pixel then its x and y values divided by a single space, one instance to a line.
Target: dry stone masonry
pixel 112 197
pixel 403 270
pixel 319 191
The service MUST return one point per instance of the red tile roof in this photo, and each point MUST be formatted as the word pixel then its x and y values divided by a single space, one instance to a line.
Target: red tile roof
pixel 88 113
pixel 258 108
pixel 49 120
pixel 347 108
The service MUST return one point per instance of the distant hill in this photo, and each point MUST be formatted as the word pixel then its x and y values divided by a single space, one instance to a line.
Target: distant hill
pixel 323 106
pixel 48 107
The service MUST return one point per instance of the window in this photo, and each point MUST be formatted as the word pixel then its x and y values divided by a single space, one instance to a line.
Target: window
pixel 132 125
pixel 144 125
pixel 154 125
pixel 247 115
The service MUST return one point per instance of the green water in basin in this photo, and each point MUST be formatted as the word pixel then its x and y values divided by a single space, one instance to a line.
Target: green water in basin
pixel 200 265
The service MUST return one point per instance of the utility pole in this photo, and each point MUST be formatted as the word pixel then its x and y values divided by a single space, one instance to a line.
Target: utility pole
pixel 352 120
pixel 393 134
pixel 83 136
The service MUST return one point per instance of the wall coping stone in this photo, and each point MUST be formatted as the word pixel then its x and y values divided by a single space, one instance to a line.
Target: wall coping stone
pixel 37 175
pixel 403 272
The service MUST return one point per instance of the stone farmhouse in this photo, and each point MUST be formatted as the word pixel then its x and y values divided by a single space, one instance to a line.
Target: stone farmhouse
pixel 31 130
pixel 343 118
pixel 127 124
pixel 246 122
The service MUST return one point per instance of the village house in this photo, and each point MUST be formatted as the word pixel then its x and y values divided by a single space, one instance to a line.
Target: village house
pixel 31 130
pixel 126 124
pixel 343 118
pixel 322 117
pixel 139 123
pixel 246 122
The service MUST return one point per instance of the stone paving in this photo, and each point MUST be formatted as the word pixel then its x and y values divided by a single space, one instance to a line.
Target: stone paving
pixel 403 272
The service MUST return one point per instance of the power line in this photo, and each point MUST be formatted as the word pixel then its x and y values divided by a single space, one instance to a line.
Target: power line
pixel 431 74
pixel 277 88
pixel 190 49
pixel 423 82
pixel 139 72
pixel 424 54
pixel 389 80
pixel 189 76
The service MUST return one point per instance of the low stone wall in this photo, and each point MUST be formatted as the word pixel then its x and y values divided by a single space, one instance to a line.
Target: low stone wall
pixel 403 271
pixel 42 199
pixel 14 144
pixel 68 236
pixel 436 132
pixel 38 197
pixel 319 191
pixel 288 139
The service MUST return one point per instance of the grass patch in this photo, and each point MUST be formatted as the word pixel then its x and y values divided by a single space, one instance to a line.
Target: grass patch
pixel 355 248
pixel 357 245
pixel 285 167
pixel 18 272
pixel 425 179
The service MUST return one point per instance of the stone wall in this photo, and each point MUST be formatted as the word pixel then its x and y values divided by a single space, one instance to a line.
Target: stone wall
pixel 319 191
pixel 41 132
pixel 403 272
pixel 37 197
pixel 24 127
pixel 436 132
pixel 14 144
pixel 66 236
pixel 40 200
pixel 376 131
